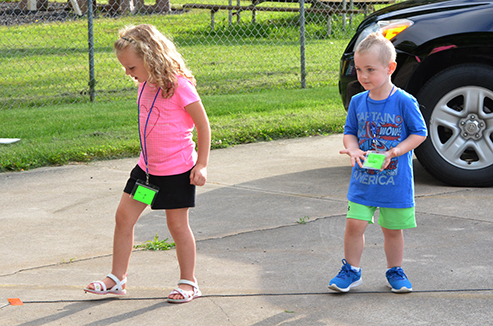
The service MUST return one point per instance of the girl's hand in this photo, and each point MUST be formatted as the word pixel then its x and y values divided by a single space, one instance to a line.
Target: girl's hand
pixel 198 176
pixel 356 155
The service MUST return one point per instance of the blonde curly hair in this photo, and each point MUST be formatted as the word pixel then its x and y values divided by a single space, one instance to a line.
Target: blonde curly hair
pixel 161 59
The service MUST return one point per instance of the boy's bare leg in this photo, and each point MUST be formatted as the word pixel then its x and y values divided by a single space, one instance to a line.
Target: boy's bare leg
pixel 394 247
pixel 354 241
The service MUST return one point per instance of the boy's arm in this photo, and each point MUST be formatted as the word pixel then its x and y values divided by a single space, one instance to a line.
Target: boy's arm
pixel 408 144
pixel 351 144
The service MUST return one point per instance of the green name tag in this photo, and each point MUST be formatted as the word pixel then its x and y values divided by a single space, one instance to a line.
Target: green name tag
pixel 374 161
pixel 144 193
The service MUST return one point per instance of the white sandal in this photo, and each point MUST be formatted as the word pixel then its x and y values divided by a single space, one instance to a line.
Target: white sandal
pixel 187 295
pixel 100 287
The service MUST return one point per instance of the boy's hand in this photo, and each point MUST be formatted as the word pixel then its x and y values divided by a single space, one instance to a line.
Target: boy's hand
pixel 408 144
pixel 389 155
pixel 356 155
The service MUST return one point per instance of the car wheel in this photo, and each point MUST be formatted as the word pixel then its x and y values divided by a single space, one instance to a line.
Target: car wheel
pixel 457 105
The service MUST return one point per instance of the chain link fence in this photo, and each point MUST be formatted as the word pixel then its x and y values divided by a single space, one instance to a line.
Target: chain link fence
pixel 231 46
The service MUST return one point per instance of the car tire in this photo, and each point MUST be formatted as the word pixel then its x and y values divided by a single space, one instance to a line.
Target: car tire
pixel 457 105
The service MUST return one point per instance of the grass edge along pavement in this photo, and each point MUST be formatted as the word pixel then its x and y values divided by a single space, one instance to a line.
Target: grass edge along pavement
pixel 57 135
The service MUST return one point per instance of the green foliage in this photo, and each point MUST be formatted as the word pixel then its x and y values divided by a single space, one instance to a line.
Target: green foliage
pixel 156 244
pixel 303 220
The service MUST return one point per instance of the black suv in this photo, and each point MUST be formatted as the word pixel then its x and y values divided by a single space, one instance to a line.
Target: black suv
pixel 445 59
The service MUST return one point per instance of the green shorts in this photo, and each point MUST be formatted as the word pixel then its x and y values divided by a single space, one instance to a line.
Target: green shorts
pixel 390 218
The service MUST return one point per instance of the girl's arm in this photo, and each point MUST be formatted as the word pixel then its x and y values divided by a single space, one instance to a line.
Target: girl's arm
pixel 196 110
pixel 351 144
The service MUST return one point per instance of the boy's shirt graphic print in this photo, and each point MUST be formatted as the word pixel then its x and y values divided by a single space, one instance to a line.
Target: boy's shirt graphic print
pixel 388 131
pixel 394 186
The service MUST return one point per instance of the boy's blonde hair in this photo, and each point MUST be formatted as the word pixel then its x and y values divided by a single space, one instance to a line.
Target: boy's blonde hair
pixel 161 59
pixel 385 49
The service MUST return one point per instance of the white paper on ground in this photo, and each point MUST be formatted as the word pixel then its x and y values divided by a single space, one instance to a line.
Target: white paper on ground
pixel 9 140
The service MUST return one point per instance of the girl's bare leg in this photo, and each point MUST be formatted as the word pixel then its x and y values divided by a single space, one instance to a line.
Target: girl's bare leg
pixel 127 214
pixel 184 239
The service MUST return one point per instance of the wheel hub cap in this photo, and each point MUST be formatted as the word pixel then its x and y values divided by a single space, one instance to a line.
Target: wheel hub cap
pixel 472 127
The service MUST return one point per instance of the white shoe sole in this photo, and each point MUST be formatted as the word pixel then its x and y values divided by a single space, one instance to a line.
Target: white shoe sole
pixel 352 285
pixel 401 290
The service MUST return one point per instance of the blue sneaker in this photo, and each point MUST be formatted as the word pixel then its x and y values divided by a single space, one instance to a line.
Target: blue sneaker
pixel 397 280
pixel 346 279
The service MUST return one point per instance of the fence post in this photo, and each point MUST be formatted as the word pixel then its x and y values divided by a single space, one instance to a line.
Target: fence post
pixel 302 43
pixel 230 14
pixel 92 80
pixel 238 15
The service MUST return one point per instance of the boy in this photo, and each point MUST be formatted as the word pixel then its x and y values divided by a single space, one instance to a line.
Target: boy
pixel 383 126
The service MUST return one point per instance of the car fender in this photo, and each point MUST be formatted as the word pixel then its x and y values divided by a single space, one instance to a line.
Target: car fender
pixel 439 54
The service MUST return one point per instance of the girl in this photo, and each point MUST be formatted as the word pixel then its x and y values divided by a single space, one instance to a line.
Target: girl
pixel 169 108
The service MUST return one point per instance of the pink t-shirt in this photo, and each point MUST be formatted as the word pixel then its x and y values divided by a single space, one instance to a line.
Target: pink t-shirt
pixel 168 136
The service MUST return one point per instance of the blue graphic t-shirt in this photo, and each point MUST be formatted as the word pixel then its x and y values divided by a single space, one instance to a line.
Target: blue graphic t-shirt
pixel 384 124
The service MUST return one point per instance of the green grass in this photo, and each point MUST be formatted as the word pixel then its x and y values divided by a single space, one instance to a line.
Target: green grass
pixel 55 135
pixel 45 64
